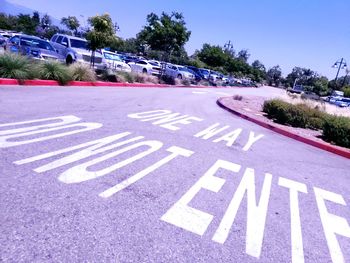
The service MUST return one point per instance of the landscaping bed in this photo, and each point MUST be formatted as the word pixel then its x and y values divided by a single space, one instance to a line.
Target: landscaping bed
pixel 311 122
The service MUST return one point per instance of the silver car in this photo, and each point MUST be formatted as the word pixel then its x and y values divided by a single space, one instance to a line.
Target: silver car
pixel 75 49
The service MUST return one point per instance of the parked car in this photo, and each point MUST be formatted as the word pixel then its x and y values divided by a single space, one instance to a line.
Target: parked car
pixel 298 89
pixel 344 102
pixel 205 73
pixel 2 41
pixel 214 76
pixel 114 61
pixel 144 66
pixel 32 47
pixel 196 70
pixel 179 72
pixel 197 77
pixel 75 49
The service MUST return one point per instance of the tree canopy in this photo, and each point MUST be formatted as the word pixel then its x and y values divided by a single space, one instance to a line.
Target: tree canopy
pixel 166 33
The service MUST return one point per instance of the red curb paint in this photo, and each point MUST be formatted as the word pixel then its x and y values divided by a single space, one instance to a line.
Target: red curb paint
pixel 327 147
pixel 40 82
pixel 8 82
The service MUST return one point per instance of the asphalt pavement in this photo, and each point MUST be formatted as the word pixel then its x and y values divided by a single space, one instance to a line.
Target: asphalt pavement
pixel 94 174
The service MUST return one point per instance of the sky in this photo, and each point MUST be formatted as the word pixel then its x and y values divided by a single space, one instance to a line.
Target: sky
pixel 306 33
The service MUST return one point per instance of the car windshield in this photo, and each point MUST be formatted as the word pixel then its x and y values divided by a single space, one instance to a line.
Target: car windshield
pixel 76 43
pixel 154 64
pixel 36 43
pixel 204 71
pixel 112 56
pixel 184 69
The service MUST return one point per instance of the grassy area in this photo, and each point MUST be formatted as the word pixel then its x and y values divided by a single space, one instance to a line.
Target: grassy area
pixel 335 129
pixel 19 67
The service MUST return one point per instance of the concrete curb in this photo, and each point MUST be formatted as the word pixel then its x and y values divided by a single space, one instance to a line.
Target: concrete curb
pixel 324 146
pixel 40 82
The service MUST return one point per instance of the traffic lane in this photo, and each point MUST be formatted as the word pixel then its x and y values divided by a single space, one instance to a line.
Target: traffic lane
pixel 198 169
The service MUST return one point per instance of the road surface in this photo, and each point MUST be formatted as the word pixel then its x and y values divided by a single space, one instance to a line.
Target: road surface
pixel 161 175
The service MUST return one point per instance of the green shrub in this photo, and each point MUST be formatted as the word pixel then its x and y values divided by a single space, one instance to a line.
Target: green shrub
pixel 299 115
pixel 15 67
pixel 165 79
pixel 186 82
pixel 128 76
pixel 82 72
pixel 337 130
pixel 53 70
pixel 346 90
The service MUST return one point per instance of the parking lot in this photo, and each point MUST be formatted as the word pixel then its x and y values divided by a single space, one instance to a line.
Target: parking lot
pixel 125 175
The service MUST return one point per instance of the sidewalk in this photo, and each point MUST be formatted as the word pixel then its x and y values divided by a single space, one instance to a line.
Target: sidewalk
pixel 249 108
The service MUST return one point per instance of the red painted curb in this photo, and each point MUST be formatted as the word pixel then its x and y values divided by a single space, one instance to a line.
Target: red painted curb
pixel 40 82
pixel 330 148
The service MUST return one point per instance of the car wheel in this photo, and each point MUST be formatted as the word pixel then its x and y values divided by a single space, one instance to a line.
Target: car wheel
pixel 69 60
pixel 179 76
pixel 144 71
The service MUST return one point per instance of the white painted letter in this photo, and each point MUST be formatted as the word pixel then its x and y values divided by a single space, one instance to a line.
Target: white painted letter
pixel 256 213
pixel 80 173
pixel 87 126
pixel 170 126
pixel 175 152
pixel 191 219
pixel 148 114
pixel 211 131
pixel 252 140
pixel 230 138
pixel 296 234
pixel 331 223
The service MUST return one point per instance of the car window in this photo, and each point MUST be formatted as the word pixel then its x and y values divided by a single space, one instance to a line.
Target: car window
pixel 54 38
pixel 77 43
pixel 14 40
pixel 36 43
pixel 141 62
pixel 59 39
pixel 64 42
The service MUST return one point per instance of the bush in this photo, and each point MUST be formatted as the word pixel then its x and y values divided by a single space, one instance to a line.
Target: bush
pixel 346 90
pixel 146 78
pixel 337 130
pixel 15 67
pixel 53 70
pixel 237 97
pixel 299 115
pixel 186 82
pixel 82 72
pixel 165 79
pixel 128 76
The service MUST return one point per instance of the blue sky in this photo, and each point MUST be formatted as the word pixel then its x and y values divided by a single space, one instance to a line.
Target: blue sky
pixel 307 33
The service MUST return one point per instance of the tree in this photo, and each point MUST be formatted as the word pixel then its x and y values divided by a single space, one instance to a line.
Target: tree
pixel 274 76
pixel 26 24
pixel 258 65
pixel 320 86
pixel 8 22
pixel 102 33
pixel 71 22
pixel 36 18
pixel 167 33
pixel 243 55
pixel 213 56
pixel 303 76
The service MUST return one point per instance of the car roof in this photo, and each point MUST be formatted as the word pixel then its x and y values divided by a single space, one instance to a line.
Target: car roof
pixel 71 37
pixel 30 36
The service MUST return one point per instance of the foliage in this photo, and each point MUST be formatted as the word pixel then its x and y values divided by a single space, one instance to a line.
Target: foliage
pixel 165 33
pixel 53 70
pixel 103 32
pixel 15 67
pixel 299 115
pixel 71 22
pixel 82 72
pixel 346 90
pixel 274 75
pixel 243 55
pixel 337 130
pixel 213 56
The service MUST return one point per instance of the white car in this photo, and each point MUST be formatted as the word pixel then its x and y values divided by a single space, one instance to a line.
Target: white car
pixel 179 72
pixel 113 61
pixel 145 67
